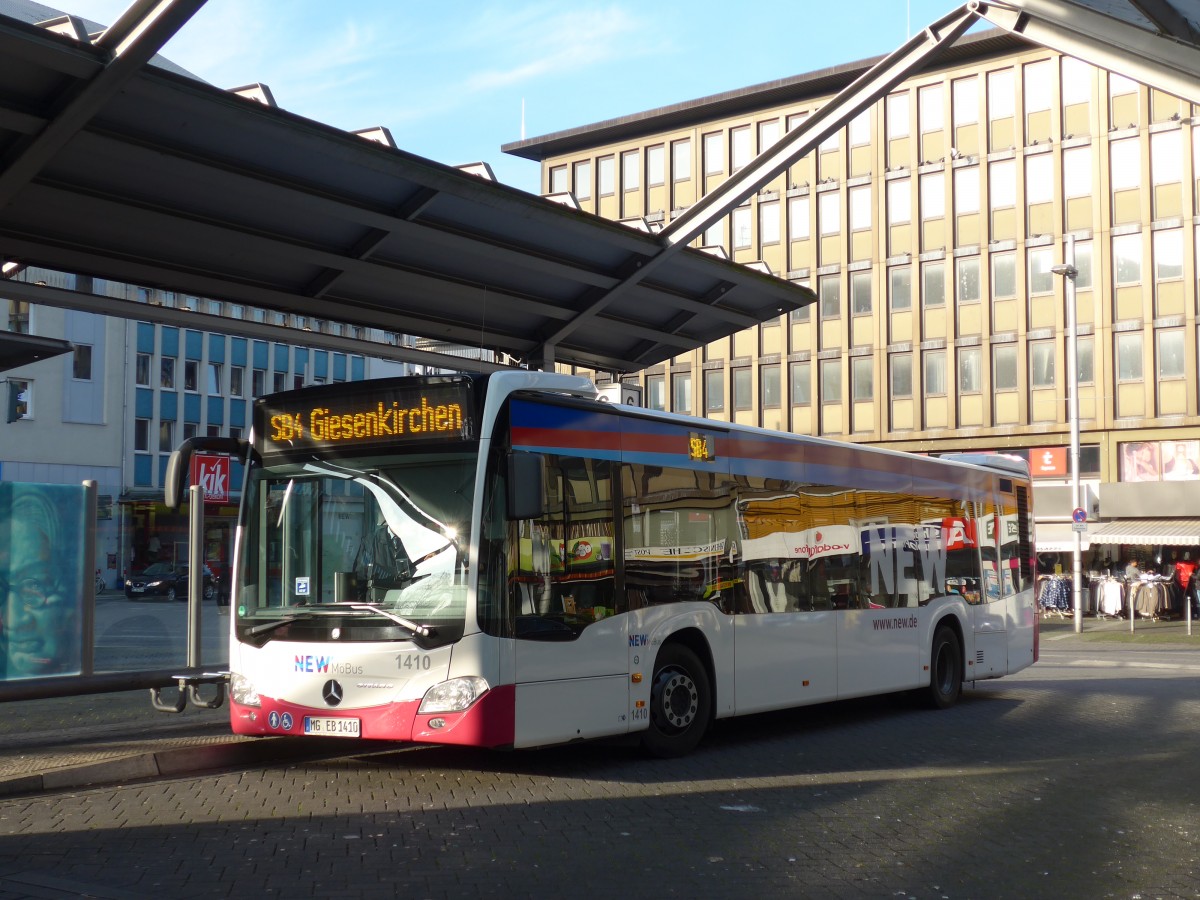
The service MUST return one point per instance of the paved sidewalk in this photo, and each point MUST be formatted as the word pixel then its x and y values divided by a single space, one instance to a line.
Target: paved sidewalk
pixel 76 742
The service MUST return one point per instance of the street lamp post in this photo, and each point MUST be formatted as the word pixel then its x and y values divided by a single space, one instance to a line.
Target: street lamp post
pixel 1068 270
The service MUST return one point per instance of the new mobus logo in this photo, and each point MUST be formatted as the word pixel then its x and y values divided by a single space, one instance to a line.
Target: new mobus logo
pixel 323 665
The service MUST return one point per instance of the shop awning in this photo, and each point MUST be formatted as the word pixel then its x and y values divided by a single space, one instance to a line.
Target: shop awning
pixel 1172 532
pixel 1057 537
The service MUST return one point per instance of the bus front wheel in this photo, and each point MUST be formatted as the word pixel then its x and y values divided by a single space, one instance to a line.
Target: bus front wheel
pixel 680 703
pixel 945 670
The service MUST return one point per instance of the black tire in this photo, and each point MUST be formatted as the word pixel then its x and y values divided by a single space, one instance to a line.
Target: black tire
pixel 945 670
pixel 170 595
pixel 680 703
pixel 209 592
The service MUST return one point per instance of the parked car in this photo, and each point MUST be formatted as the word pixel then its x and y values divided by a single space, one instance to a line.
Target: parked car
pixel 167 580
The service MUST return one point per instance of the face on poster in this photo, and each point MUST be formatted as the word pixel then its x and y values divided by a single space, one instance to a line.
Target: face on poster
pixel 1140 461
pixel 41 565
pixel 1181 460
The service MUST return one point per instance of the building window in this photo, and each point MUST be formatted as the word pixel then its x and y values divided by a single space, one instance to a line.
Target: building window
pixel 1041 279
pixel 236 373
pixel 897 115
pixel 1166 157
pixel 1004 367
pixel 214 378
pixel 18 316
pixel 279 381
pixel 190 430
pixel 798 216
pixel 166 436
pixel 714 153
pixel 862 377
pixel 768 134
pixel 1170 353
pixel 931 114
pixel 1077 172
pixel 714 390
pixel 1126 164
pixel 1041 364
pixel 859 129
pixel 1039 82
pixel 656 166
pixel 933 196
pixel 81 364
pixel 860 208
pixel 831 381
pixel 800 374
pixel 1039 179
pixel 191 375
pixel 1127 259
pixel 743 384
pixel 583 180
pixel 742 234
pixel 900 288
pixel 769 388
pixel 1002 184
pixel 901 375
pixel 966 191
pixel 606 166
pixel 830 288
pixel 1004 276
pixel 829 213
pixel 768 222
pixel 970 376
pixel 740 139
pixel 860 292
pixel 933 284
pixel 1085 359
pixel 630 179
pixel 141 435
pixel 681 392
pixel 899 201
pixel 966 280
pixel 656 391
pixel 258 383
pixel 715 235
pixel 965 98
pixel 1000 94
pixel 24 398
pixel 1083 262
pixel 1168 254
pixel 1076 81
pixel 935 373
pixel 681 160
pixel 166 370
pixel 558 180
pixel 1129 356
pixel 142 369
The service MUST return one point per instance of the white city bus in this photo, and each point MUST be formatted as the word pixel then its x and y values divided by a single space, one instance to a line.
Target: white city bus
pixel 504 561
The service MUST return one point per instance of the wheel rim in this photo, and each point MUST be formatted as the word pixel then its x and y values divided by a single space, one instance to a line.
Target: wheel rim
pixel 678 700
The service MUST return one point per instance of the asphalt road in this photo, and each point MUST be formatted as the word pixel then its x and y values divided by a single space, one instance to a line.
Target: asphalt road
pixel 1079 778
pixel 147 635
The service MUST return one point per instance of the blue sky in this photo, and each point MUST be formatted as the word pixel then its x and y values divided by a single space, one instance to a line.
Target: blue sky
pixel 450 79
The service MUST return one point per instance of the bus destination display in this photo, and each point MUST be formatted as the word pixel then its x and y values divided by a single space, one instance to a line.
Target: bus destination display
pixel 394 415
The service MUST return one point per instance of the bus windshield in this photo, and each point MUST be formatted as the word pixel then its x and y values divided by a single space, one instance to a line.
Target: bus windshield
pixel 375 538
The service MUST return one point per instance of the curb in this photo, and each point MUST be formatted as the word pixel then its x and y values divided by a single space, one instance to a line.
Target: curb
pixel 177 761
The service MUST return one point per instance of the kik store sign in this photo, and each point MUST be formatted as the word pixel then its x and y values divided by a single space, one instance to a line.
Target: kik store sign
pixel 211 472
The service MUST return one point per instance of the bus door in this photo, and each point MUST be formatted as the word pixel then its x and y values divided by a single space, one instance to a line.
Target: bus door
pixel 876 590
pixel 570 655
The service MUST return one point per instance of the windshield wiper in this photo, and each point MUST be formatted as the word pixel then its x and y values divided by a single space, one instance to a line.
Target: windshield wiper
pixel 334 608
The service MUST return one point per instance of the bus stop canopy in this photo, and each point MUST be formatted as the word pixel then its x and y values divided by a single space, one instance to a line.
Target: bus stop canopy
pixel 18 350
pixel 118 169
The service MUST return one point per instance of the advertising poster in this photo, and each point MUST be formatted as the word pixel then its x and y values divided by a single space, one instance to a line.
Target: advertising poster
pixel 1180 460
pixel 42 528
pixel 1139 461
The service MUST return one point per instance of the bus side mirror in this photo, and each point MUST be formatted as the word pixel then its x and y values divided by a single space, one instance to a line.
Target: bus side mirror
pixel 526 485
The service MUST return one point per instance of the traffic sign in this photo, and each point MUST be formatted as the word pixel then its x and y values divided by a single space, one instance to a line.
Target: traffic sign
pixel 1079 515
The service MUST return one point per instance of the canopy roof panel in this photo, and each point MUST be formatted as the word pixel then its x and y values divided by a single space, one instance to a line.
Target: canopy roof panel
pixel 156 179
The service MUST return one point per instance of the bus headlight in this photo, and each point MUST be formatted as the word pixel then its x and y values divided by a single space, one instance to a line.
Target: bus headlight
pixel 241 690
pixel 454 695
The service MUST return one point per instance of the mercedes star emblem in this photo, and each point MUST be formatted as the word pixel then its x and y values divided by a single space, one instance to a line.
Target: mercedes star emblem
pixel 332 692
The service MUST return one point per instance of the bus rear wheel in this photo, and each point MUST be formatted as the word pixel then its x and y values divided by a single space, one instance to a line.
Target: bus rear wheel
pixel 680 703
pixel 945 670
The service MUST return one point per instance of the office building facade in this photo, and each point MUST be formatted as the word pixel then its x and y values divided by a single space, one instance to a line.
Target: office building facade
pixel 929 228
